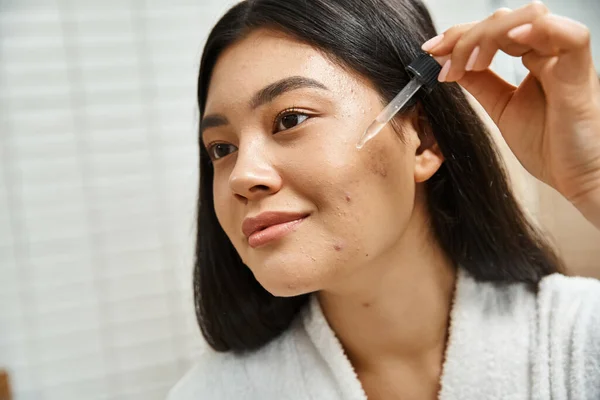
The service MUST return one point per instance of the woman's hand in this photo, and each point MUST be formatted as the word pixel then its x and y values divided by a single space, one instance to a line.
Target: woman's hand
pixel 552 120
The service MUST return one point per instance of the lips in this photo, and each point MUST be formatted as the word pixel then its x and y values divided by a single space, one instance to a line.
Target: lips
pixel 269 226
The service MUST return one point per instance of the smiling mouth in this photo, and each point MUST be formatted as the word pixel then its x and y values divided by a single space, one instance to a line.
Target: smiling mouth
pixel 269 227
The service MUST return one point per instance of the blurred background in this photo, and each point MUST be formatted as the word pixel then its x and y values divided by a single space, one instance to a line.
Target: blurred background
pixel 98 180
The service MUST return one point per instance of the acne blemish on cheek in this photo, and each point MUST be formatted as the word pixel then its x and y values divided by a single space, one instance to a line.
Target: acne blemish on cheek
pixel 348 198
pixel 338 246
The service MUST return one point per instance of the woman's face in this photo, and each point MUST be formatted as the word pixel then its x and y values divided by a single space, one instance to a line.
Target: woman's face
pixel 302 206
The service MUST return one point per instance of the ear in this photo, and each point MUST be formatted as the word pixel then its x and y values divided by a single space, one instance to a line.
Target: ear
pixel 428 156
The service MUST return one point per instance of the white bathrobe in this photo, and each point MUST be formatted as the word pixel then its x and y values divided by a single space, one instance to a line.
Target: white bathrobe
pixel 505 343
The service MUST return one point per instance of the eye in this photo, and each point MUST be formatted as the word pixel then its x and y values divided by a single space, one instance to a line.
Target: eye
pixel 289 119
pixel 220 150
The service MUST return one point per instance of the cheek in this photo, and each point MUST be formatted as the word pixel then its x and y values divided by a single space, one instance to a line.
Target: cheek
pixel 367 188
pixel 388 161
pixel 377 162
pixel 380 192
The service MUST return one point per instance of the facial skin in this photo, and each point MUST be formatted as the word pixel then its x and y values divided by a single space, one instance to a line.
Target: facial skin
pixel 360 203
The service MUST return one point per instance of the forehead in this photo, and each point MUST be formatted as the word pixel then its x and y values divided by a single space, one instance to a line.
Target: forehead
pixel 264 57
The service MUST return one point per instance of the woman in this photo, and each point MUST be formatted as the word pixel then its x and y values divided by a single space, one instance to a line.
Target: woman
pixel 405 269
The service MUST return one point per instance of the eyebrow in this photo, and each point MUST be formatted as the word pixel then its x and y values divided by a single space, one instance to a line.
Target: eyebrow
pixel 263 96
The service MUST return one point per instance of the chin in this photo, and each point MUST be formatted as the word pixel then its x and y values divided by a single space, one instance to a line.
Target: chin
pixel 291 278
pixel 286 291
pixel 294 267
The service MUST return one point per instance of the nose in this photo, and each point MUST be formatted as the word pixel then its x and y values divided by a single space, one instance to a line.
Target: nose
pixel 254 175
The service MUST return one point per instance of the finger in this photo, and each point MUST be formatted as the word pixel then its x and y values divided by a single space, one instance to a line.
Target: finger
pixel 444 42
pixel 551 36
pixel 490 90
pixel 483 54
pixel 491 35
pixel 536 63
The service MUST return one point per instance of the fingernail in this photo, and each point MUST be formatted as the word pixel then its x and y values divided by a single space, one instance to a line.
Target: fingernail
pixel 431 43
pixel 444 71
pixel 472 59
pixel 520 31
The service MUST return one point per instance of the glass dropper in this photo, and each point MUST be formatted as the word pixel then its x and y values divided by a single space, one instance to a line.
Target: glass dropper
pixel 424 70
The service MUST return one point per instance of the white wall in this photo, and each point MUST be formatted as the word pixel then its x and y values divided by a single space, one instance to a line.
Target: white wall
pixel 98 180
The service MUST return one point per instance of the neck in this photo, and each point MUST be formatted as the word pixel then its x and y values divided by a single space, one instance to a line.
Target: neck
pixel 396 310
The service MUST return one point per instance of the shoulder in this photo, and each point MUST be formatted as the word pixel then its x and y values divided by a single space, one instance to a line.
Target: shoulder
pixel 561 284
pixel 544 341
pixel 569 331
pixel 558 297
pixel 564 298
pixel 570 306
pixel 262 374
